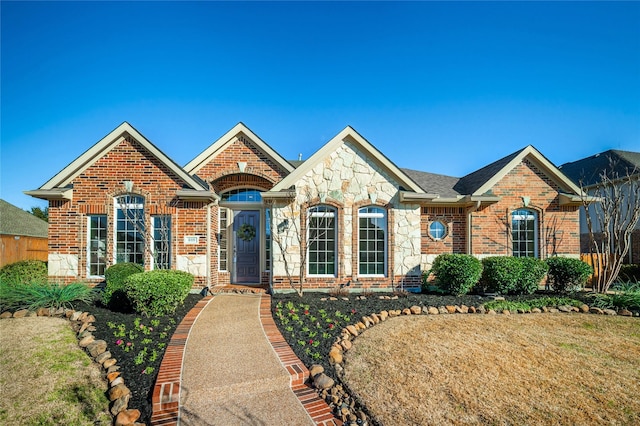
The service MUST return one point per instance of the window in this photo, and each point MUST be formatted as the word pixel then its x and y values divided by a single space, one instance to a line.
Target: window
pixel 437 230
pixel 321 258
pixel 242 195
pixel 222 239
pixel 130 229
pixel 96 256
pixel 524 233
pixel 161 242
pixel 372 244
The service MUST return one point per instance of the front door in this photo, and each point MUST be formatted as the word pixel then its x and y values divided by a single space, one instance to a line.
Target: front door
pixel 246 228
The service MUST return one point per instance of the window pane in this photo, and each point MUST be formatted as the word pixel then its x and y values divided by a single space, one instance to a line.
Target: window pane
pixel 97 259
pixel 321 240
pixel 372 245
pixel 162 242
pixel 130 226
pixel 524 233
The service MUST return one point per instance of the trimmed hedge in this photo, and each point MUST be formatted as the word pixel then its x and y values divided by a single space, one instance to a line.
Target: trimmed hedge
pixel 512 275
pixel 157 293
pixel 566 274
pixel 24 272
pixel 113 296
pixel 456 273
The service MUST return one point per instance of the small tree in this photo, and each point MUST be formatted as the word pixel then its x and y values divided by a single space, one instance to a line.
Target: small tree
pixel 611 220
pixel 40 213
pixel 292 239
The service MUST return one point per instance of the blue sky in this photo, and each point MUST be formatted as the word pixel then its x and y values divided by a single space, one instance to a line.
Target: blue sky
pixel 439 87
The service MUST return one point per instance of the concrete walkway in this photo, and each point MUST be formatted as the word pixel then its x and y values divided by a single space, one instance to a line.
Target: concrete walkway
pixel 233 370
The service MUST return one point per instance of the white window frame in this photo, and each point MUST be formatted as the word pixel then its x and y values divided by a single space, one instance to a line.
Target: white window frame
pixel 445 230
pixel 223 227
pixel 379 213
pixel 529 212
pixel 89 240
pixel 118 208
pixel 153 239
pixel 331 213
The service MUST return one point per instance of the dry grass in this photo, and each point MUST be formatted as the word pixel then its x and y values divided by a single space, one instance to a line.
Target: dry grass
pixel 508 370
pixel 45 378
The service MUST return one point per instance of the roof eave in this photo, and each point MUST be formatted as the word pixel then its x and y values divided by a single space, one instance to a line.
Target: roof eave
pixel 416 197
pixel 51 194
pixel 196 195
pixel 576 200
pixel 278 195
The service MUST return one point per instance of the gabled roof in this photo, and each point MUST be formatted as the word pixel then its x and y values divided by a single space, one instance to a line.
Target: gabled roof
pixel 103 146
pixel 15 221
pixel 614 162
pixel 228 138
pixel 348 134
pixel 58 186
pixel 434 183
pixel 481 181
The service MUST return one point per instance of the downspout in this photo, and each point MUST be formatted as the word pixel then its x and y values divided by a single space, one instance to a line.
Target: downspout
pixel 470 211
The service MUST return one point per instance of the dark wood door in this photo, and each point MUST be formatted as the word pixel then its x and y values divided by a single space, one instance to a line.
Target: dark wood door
pixel 246 224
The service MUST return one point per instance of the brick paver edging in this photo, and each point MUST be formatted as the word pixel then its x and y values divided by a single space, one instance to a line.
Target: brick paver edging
pixel 166 392
pixel 316 407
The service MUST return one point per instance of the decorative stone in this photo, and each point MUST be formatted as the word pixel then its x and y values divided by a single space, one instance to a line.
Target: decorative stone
pixel 21 313
pixel 553 310
pixel 103 357
pixel 375 318
pixel 112 376
pixel 84 342
pixel 450 309
pixel 118 391
pixel 536 311
pixel 120 404
pixel 506 312
pixel 117 381
pixel 584 309
pixel 463 309
pixel 322 381
pixel 432 310
pixel 625 313
pixel 392 313
pixel 481 310
pixel 545 309
pixel 491 312
pixel 383 315
pixel 442 310
pixel 75 316
pixel 96 347
pixel 416 310
pixel 89 318
pixel 361 325
pixel 335 356
pixel 346 344
pixel 110 363
pixel 6 315
pixel 127 417
pixel 43 312
pixel 564 308
pixel 352 329
pixel 112 368
pixel 609 312
pixel 333 298
pixel 595 310
pixel 68 313
pixel 82 316
pixel 406 311
pixel 472 309
pixel 31 314
pixel 316 369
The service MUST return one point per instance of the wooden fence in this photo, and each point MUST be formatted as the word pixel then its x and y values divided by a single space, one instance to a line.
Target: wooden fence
pixel 15 248
pixel 596 261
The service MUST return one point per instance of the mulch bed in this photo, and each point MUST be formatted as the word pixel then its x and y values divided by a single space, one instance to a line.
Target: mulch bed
pixel 108 328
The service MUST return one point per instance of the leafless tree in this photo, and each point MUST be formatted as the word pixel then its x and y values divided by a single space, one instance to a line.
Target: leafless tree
pixel 294 240
pixel 610 221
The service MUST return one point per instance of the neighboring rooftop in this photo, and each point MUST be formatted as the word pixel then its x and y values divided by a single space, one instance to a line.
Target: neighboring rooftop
pixel 15 221
pixel 615 163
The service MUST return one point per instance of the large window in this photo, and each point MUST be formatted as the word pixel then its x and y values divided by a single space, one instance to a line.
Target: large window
pixel 222 239
pixel 161 241
pixel 267 239
pixel 130 229
pixel 96 256
pixel 321 258
pixel 372 244
pixel 524 233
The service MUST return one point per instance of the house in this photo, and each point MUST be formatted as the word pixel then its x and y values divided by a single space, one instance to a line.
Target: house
pixel 588 172
pixel 240 213
pixel 22 235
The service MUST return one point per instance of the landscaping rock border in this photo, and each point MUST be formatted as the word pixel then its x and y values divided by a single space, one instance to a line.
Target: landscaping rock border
pixel 345 405
pixel 82 324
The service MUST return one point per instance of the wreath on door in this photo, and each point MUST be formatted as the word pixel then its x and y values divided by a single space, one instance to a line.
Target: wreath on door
pixel 246 232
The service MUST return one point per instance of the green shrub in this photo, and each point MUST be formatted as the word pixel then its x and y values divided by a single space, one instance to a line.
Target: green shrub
pixel 24 272
pixel 526 305
pixel 624 295
pixel 629 273
pixel 43 295
pixel 531 275
pixel 157 293
pixel 500 274
pixel 456 273
pixel 566 274
pixel 116 275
